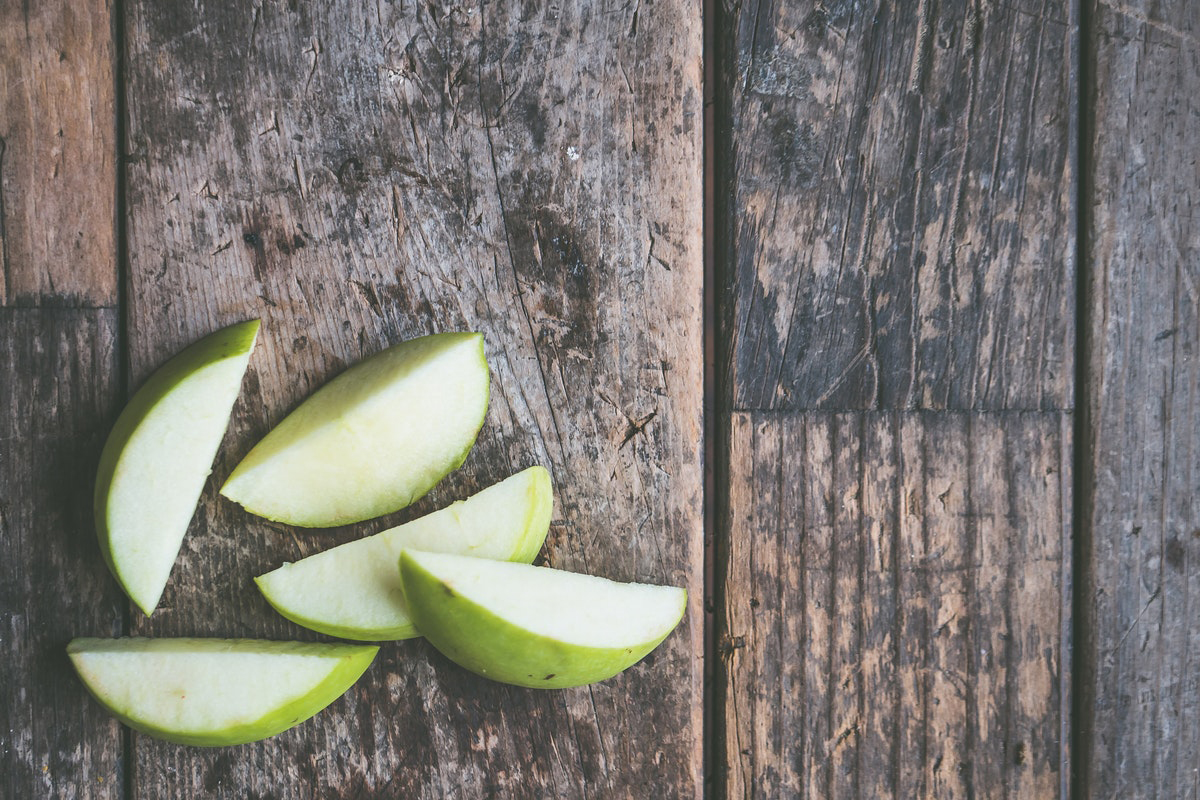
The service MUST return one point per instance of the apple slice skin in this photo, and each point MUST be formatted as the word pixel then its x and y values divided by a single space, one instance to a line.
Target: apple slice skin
pixel 253 486
pixel 488 645
pixel 231 342
pixel 528 545
pixel 353 662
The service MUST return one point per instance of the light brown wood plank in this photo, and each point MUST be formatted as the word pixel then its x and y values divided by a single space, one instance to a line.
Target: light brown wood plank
pixel 1140 718
pixel 58 154
pixel 58 387
pixel 915 650
pixel 366 172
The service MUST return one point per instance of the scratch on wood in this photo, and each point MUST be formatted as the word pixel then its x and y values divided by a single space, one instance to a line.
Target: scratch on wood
pixel 274 125
pixel 516 276
pixel 315 50
pixel 918 60
pixel 636 427
pixel 397 217
pixel 650 256
pixel 1138 16
pixel 3 224
pixel 254 25
pixel 300 180
pixel 1138 618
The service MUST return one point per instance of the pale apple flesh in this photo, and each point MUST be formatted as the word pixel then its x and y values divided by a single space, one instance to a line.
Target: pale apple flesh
pixel 535 626
pixel 158 458
pixel 372 440
pixel 216 691
pixel 353 591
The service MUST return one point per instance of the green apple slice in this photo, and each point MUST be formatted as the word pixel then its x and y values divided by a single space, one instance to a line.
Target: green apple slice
pixel 353 591
pixel 372 440
pixel 216 691
pixel 535 626
pixel 159 455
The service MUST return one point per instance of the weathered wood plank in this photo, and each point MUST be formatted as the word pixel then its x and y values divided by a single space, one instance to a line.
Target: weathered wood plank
pixel 898 236
pixel 901 220
pixel 896 628
pixel 59 388
pixel 58 154
pixel 1141 705
pixel 367 172
pixel 58 384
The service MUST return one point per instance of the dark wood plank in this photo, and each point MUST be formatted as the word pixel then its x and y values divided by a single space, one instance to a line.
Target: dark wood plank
pixel 1141 705
pixel 58 154
pixel 367 172
pixel 901 219
pixel 897 236
pixel 57 394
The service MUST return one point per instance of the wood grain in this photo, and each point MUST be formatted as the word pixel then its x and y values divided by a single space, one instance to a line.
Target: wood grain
pixel 895 604
pixel 58 154
pixel 1141 684
pixel 360 174
pixel 57 394
pixel 898 213
pixel 60 385
pixel 901 216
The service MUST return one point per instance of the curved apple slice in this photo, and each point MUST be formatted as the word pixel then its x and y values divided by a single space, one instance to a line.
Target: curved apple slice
pixel 372 440
pixel 535 626
pixel 159 455
pixel 353 591
pixel 216 691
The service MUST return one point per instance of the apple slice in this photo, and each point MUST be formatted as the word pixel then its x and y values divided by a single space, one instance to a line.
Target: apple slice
pixel 216 691
pixel 353 591
pixel 160 453
pixel 535 626
pixel 372 440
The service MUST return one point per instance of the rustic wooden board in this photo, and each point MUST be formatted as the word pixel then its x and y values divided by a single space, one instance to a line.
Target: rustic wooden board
pixel 361 174
pixel 895 604
pixel 1140 711
pixel 59 388
pixel 902 217
pixel 58 154
pixel 898 236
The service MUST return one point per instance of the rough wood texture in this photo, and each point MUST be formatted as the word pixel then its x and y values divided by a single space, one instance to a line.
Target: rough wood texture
pixel 902 205
pixel 361 174
pixel 898 235
pixel 895 604
pixel 1142 683
pixel 58 384
pixel 58 154
pixel 59 387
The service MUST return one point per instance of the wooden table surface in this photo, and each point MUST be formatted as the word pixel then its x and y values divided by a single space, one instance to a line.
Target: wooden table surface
pixel 872 323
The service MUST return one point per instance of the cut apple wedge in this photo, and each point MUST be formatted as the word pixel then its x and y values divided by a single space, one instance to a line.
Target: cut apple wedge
pixel 353 591
pixel 535 626
pixel 216 691
pixel 160 453
pixel 372 440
